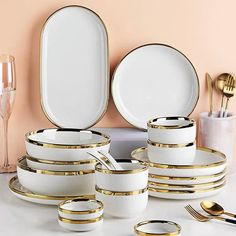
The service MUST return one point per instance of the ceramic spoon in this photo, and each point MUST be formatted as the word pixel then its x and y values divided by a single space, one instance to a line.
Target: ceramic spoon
pixel 100 160
pixel 214 209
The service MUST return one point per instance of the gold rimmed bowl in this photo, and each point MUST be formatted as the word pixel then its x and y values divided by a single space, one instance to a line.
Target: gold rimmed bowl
pixel 55 183
pixel 172 130
pixel 65 144
pixel 157 228
pixel 133 176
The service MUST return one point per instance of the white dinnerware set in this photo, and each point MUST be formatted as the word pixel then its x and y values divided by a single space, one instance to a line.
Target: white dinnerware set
pixel 176 169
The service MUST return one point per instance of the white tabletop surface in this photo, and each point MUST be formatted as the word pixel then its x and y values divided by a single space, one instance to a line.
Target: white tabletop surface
pixel 18 217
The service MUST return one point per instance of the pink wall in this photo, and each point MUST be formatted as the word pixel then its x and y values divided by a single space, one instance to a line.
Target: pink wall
pixel 203 30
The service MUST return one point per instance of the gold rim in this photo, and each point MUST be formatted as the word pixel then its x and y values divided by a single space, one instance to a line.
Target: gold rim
pixel 157 190
pixel 157 184
pixel 162 145
pixel 166 166
pixel 80 222
pixel 192 123
pixel 143 233
pixel 148 44
pixel 97 209
pixel 107 72
pixel 67 146
pixel 115 193
pixel 42 161
pixel 186 178
pixel 142 168
pixel 29 194
pixel 52 172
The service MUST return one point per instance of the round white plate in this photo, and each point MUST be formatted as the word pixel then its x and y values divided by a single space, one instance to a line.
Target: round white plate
pixel 20 192
pixel 74 68
pixel 206 162
pixel 188 194
pixel 154 80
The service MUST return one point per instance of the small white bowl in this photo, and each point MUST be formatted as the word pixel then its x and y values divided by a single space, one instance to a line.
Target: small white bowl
pixel 157 227
pixel 172 130
pixel 80 209
pixel 56 183
pixel 80 225
pixel 133 177
pixel 65 144
pixel 123 204
pixel 41 164
pixel 173 154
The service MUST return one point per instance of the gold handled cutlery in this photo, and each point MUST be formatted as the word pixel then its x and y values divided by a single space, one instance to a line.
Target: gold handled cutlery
pixel 210 92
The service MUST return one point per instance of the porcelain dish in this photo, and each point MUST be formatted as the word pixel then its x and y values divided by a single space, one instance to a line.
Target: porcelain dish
pixel 157 227
pixel 133 177
pixel 123 204
pixel 74 67
pixel 65 144
pixel 207 162
pixel 22 193
pixel 174 154
pixel 152 80
pixel 172 130
pixel 56 183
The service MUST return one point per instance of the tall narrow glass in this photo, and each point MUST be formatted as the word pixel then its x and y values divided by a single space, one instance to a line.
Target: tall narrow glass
pixel 7 97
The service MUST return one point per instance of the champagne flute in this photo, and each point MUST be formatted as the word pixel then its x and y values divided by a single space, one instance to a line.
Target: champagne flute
pixel 7 97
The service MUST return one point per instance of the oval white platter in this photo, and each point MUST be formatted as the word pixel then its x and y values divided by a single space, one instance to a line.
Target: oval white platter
pixel 20 192
pixel 206 162
pixel 74 71
pixel 154 80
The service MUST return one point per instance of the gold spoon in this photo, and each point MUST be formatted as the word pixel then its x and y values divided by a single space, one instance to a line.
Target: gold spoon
pixel 214 209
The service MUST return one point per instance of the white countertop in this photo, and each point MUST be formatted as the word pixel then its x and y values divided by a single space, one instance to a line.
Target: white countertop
pixel 18 217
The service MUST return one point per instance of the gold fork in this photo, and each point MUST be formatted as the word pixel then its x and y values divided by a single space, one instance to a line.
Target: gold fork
pixel 202 218
pixel 228 91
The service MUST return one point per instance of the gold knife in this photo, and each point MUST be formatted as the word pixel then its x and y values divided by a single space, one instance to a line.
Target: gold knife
pixel 210 92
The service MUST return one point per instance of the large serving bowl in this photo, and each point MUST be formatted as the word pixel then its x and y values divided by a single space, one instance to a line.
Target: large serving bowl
pixel 133 177
pixel 175 154
pixel 56 183
pixel 123 204
pixel 65 144
pixel 35 163
pixel 172 130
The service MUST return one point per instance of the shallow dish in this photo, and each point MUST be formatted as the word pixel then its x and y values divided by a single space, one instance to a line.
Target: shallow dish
pixel 172 130
pixel 133 177
pixel 174 154
pixel 65 144
pixel 123 204
pixel 56 183
pixel 157 227
pixel 207 162
pixel 22 193
pixel 41 164
pixel 184 194
pixel 186 180
pixel 80 225
pixel 80 209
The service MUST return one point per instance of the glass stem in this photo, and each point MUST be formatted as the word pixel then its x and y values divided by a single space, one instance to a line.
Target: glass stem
pixel 5 148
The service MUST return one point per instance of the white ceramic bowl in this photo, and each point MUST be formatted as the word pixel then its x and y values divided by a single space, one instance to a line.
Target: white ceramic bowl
pixel 157 227
pixel 65 144
pixel 207 162
pixel 56 183
pixel 133 177
pixel 80 225
pixel 174 154
pixel 123 204
pixel 80 209
pixel 41 164
pixel 172 130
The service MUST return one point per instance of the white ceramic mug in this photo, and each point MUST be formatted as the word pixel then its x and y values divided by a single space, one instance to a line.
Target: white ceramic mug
pixel 219 134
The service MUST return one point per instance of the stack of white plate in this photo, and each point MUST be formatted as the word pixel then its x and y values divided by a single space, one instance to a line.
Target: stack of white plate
pixel 57 164
pixel 204 177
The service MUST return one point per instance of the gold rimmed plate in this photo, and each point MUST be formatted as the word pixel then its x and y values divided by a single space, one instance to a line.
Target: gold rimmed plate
pixel 22 193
